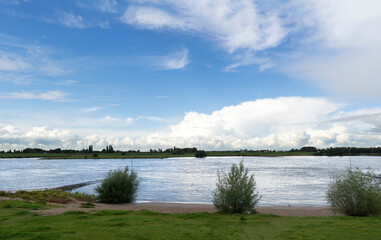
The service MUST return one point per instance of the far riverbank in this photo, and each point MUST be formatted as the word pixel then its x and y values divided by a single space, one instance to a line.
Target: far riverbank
pixel 137 155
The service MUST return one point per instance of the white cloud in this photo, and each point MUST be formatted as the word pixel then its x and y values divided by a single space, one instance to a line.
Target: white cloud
pixel 234 24
pixel 280 123
pixel 104 122
pixel 152 118
pixel 92 109
pixel 71 20
pixel 174 61
pixel 41 137
pixel 66 82
pixel 333 45
pixel 12 64
pixel 152 18
pixel 338 48
pixel 21 62
pixel 49 95
pixel 108 6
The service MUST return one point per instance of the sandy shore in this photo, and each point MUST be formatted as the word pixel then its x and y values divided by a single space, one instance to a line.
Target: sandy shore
pixel 186 208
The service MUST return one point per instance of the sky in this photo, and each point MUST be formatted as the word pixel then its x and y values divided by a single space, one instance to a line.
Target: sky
pixel 216 75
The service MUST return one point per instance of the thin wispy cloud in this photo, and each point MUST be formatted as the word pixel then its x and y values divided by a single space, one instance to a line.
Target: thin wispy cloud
pixel 152 118
pixel 93 109
pixel 12 63
pixel 173 61
pixel 21 62
pixel 113 105
pixel 237 26
pixel 108 6
pixel 234 24
pixel 66 82
pixel 71 20
pixel 58 96
pixel 333 45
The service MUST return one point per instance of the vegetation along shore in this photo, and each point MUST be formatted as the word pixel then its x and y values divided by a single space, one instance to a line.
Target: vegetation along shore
pixel 110 153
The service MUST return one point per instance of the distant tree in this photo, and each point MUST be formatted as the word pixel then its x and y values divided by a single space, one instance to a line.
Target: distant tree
pixel 90 148
pixel 308 149
pixel 200 154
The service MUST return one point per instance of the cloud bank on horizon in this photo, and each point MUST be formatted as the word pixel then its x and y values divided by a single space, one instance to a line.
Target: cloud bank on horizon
pixel 280 123
pixel 247 73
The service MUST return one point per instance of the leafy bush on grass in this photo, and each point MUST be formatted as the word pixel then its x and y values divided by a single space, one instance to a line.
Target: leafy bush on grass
pixel 119 186
pixel 355 193
pixel 235 192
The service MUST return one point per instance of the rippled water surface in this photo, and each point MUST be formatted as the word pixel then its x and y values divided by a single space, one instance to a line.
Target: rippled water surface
pixel 280 180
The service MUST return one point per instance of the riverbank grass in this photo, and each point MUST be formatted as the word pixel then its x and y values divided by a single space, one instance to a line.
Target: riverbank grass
pixel 49 195
pixel 19 221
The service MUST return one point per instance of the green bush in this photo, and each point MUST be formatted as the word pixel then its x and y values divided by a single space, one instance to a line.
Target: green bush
pixel 355 193
pixel 200 154
pixel 235 192
pixel 119 186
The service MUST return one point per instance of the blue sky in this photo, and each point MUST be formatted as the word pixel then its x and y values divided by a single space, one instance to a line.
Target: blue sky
pixel 141 74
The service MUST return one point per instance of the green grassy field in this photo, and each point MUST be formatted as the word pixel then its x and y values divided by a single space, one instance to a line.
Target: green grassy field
pixel 18 221
pixel 119 155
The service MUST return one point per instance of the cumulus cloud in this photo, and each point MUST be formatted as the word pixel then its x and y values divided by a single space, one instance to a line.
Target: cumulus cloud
pixel 279 123
pixel 41 137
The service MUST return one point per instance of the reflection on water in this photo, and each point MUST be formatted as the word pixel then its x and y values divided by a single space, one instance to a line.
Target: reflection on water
pixel 280 180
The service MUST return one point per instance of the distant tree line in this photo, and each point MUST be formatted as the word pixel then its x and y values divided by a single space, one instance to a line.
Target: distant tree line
pixel 345 151
pixel 332 151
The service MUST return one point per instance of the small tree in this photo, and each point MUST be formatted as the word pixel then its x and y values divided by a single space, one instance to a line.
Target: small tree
pixel 235 192
pixel 355 193
pixel 200 154
pixel 119 186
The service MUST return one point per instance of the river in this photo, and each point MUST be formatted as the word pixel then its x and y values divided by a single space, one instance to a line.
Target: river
pixel 296 180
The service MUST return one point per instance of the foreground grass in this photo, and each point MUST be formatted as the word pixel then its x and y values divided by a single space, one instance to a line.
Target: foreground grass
pixel 18 222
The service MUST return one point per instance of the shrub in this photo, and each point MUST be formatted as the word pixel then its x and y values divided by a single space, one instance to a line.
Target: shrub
pixel 200 154
pixel 235 192
pixel 355 193
pixel 119 186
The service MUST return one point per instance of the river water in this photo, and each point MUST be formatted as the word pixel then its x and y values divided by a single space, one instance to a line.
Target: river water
pixel 296 181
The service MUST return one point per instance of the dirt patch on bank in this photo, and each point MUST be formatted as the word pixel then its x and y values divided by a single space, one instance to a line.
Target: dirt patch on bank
pixel 188 208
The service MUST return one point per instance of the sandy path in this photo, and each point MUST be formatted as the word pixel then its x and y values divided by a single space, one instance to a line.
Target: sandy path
pixel 189 208
pixel 185 208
